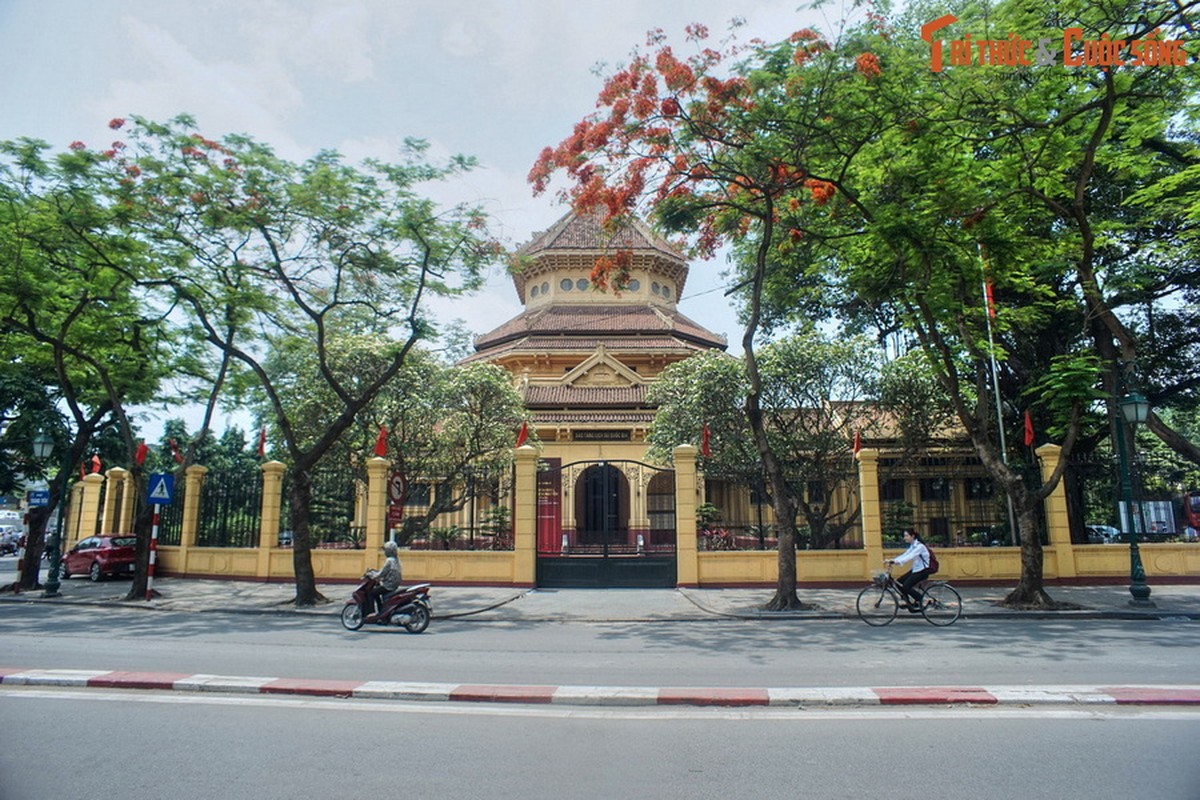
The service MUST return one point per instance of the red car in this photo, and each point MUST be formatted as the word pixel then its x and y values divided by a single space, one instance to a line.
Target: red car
pixel 98 556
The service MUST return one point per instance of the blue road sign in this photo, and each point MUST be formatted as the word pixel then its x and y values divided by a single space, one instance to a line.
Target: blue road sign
pixel 162 488
pixel 40 497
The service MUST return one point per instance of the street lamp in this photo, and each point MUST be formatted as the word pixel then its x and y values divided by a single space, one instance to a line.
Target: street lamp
pixel 1135 409
pixel 43 446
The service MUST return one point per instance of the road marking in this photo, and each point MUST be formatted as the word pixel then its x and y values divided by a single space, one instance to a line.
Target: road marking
pixel 758 713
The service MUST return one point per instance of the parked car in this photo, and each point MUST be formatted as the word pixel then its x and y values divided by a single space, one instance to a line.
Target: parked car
pixel 98 556
pixel 1102 534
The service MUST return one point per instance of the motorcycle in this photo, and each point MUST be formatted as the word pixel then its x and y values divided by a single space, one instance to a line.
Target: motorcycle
pixel 407 606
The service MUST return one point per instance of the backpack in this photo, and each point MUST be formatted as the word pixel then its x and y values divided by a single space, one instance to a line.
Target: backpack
pixel 933 564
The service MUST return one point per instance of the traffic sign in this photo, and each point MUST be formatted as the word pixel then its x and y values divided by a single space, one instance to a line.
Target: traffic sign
pixel 162 487
pixel 40 497
pixel 397 488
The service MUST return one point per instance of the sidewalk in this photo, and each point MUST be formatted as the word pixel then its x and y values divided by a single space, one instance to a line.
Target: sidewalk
pixel 506 604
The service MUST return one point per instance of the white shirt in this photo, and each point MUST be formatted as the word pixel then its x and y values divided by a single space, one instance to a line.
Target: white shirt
pixel 917 551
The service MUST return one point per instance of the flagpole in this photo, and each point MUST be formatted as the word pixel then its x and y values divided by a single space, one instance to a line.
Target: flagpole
pixel 989 313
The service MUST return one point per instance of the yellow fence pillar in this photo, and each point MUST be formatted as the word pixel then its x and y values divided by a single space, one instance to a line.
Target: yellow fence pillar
pixel 74 506
pixel 377 504
pixel 872 511
pixel 1058 522
pixel 687 559
pixel 268 520
pixel 90 514
pixel 525 517
pixel 114 494
pixel 193 479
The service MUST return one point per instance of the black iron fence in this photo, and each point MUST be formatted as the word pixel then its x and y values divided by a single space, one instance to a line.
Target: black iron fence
pixel 331 517
pixel 230 509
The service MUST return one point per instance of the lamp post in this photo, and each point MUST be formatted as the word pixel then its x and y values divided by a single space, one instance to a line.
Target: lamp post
pixel 1135 409
pixel 43 446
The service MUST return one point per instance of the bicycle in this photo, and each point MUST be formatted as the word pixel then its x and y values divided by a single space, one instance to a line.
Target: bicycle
pixel 878 604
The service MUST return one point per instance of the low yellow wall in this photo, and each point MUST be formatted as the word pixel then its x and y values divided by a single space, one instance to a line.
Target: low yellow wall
pixel 965 564
pixel 436 566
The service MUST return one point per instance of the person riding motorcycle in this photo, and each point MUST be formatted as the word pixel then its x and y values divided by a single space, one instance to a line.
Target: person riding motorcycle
pixel 388 576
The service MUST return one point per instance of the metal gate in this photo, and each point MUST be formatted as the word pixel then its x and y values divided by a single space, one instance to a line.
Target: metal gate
pixel 605 524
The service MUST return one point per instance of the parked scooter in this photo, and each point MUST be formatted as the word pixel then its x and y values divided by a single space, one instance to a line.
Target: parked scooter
pixel 407 606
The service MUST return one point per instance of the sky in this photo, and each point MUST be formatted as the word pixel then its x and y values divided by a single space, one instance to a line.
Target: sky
pixel 495 80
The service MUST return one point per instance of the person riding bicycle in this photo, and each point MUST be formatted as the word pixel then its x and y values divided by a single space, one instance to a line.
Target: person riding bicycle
pixel 388 576
pixel 917 553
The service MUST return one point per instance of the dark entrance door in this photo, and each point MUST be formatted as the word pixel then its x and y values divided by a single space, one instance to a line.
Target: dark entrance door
pixel 592 543
pixel 602 524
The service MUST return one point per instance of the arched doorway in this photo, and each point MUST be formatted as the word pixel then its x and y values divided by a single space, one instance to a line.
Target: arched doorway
pixel 602 507
pixel 593 532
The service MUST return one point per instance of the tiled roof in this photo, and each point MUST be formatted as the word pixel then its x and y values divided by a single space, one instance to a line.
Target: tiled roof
pixel 550 344
pixel 576 232
pixel 561 395
pixel 585 321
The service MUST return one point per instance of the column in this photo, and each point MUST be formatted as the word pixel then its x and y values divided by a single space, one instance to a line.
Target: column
pixel 113 493
pixel 193 483
pixel 71 527
pixel 525 517
pixel 872 511
pixel 1058 522
pixel 268 520
pixel 90 513
pixel 376 505
pixel 687 559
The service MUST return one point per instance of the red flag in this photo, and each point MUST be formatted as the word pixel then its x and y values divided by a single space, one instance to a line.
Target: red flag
pixel 95 464
pixel 175 451
pixel 857 441
pixel 522 434
pixel 991 302
pixel 705 449
pixel 139 457
pixel 262 442
pixel 381 442
pixel 1028 429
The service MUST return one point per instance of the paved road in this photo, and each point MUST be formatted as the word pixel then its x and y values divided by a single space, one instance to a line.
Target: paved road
pixel 714 652
pixel 189 746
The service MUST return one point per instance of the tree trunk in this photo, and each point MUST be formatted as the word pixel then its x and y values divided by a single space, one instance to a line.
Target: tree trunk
pixel 300 501
pixel 143 524
pixel 35 543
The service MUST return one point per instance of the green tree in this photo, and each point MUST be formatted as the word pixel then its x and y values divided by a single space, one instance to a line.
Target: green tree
pixel 75 314
pixel 269 257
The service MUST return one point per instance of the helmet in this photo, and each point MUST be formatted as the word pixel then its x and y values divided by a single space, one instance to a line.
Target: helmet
pixel 390 548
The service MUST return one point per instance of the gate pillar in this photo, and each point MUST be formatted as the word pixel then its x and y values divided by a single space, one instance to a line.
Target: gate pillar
pixel 89 518
pixel 193 480
pixel 1058 522
pixel 114 496
pixel 525 517
pixel 872 517
pixel 268 520
pixel 377 503
pixel 687 570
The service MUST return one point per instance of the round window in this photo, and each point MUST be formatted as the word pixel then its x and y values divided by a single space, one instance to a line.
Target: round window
pixel 545 287
pixel 634 284
pixel 581 284
pixel 654 287
pixel 666 290
pixel 533 292
pixel 566 284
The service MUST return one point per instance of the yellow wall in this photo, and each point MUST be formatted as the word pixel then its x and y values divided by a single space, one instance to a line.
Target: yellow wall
pixel 1062 560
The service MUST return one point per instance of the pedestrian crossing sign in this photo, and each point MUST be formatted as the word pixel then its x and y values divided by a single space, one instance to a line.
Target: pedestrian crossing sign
pixel 162 487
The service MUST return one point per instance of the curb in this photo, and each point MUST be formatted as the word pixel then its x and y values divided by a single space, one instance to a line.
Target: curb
pixel 615 696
